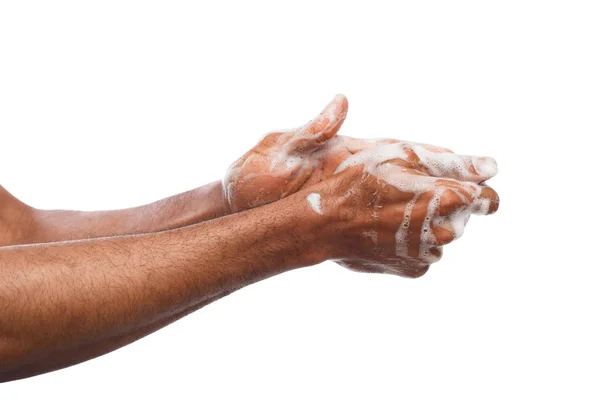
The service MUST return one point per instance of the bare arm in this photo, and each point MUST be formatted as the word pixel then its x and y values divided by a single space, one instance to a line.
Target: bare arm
pixel 63 303
pixel 253 180
pixel 21 224
pixel 256 179
pixel 66 296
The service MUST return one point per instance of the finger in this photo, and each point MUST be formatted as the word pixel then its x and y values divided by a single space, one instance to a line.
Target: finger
pixel 360 266
pixel 454 223
pixel 454 213
pixel 413 269
pixel 452 200
pixel 437 149
pixel 322 128
pixel 464 168
pixel 329 120
pixel 405 167
pixel 436 252
pixel 452 216
pixel 401 268
pixel 443 207
pixel 413 272
pixel 354 145
pixel 487 202
pixel 450 165
pixel 479 199
pixel 442 235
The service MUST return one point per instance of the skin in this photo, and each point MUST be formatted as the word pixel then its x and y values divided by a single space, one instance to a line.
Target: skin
pixel 104 293
pixel 60 297
pixel 22 224
pixel 259 177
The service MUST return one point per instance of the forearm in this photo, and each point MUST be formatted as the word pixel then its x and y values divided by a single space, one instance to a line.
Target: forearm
pixel 64 296
pixel 197 205
pixel 72 356
pixel 20 224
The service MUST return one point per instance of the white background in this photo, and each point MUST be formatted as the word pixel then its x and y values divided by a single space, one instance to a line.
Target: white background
pixel 118 103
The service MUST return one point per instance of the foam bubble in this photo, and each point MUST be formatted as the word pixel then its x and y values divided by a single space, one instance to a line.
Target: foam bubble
pixel 375 162
pixel 314 200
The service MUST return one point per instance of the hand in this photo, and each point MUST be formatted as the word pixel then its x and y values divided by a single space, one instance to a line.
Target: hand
pixel 284 162
pixel 392 208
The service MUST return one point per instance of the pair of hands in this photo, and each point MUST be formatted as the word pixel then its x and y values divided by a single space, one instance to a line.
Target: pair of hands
pixel 394 203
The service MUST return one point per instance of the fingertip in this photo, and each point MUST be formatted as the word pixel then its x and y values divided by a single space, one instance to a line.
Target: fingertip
pixel 342 101
pixel 445 164
pixel 485 167
pixel 489 201
pixel 494 202
pixel 330 119
pixel 335 114
pixel 325 126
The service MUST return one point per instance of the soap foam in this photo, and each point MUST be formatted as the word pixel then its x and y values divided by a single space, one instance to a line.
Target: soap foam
pixel 373 155
pixel 314 199
pixel 374 162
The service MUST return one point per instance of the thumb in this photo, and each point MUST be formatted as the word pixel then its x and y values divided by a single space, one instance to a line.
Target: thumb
pixel 324 127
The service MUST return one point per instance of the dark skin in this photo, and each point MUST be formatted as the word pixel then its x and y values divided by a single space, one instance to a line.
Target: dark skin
pixel 22 224
pixel 64 303
pixel 15 220
pixel 67 297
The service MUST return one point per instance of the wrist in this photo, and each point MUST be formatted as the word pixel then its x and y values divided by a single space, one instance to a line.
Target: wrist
pixel 211 202
pixel 311 230
pixel 202 204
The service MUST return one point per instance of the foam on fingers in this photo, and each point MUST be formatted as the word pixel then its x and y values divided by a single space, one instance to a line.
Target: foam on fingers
pixel 456 166
pixel 451 181
pixel 325 126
